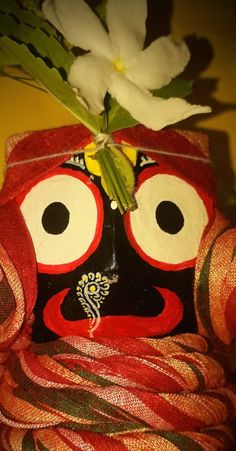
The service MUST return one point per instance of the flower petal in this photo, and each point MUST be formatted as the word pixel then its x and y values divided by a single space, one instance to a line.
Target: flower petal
pixel 163 60
pixel 153 112
pixel 126 23
pixel 79 25
pixel 92 76
pixel 48 8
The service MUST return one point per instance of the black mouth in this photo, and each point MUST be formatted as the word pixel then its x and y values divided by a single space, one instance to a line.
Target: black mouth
pixel 127 300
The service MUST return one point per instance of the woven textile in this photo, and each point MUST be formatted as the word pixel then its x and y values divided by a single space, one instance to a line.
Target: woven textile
pixel 127 393
pixel 106 394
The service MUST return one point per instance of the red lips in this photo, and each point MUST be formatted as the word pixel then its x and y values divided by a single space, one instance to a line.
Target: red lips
pixel 110 326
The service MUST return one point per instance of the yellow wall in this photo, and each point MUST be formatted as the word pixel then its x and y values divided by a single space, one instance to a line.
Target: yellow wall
pixel 24 108
pixel 214 20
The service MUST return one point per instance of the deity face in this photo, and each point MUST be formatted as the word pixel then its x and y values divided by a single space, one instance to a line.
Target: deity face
pixel 104 274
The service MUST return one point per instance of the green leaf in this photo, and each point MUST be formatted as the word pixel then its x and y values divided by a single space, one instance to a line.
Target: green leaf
pixel 7 24
pixel 6 59
pixel 46 46
pixel 118 176
pixel 124 166
pixel 119 118
pixel 32 5
pixel 176 88
pixel 24 16
pixel 52 81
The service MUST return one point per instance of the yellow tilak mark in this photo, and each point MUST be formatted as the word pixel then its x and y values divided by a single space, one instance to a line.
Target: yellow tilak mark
pixel 130 152
pixel 118 65
pixel 91 163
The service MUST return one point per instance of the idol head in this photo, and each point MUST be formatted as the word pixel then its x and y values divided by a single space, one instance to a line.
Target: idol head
pixel 101 273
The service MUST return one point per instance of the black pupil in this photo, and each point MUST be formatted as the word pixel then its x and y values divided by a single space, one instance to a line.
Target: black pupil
pixel 169 217
pixel 55 218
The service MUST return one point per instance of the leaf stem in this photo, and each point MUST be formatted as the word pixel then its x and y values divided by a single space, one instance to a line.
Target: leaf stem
pixel 109 178
pixel 114 180
pixel 118 179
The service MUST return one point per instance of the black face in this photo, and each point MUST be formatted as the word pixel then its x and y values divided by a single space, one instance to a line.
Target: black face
pixel 120 284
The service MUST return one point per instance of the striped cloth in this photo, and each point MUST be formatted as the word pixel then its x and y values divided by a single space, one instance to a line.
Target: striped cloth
pixel 114 394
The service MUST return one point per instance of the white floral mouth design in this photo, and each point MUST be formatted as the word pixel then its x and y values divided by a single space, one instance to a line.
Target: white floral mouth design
pixel 92 289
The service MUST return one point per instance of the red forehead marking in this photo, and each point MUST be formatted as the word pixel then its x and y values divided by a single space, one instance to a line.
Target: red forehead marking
pixel 196 172
pixel 40 147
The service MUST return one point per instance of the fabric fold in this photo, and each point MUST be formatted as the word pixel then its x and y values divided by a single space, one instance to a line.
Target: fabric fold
pixel 167 389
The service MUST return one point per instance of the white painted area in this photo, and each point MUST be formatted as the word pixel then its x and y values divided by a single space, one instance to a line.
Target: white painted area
pixel 77 237
pixel 113 205
pixel 153 241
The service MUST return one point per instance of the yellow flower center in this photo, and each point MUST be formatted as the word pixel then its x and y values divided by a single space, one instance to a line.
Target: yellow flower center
pixel 118 65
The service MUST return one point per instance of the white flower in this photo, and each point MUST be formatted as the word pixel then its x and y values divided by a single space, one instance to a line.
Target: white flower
pixel 116 62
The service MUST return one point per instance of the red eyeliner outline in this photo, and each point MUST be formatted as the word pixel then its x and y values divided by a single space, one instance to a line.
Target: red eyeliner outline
pixel 208 203
pixel 67 267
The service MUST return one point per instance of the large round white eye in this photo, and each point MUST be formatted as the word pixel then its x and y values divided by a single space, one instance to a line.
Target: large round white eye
pixel 167 226
pixel 64 215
